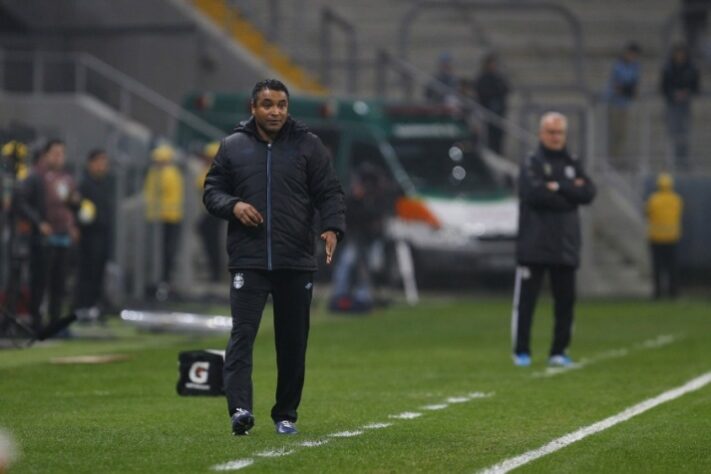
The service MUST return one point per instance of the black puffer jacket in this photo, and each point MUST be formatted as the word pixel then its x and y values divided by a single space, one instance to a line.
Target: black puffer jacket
pixel 548 223
pixel 286 181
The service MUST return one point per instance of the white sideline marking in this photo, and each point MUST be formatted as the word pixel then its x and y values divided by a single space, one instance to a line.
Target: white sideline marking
pixel 274 453
pixel 233 465
pixel 475 395
pixel 376 426
pixel 435 406
pixel 346 434
pixel 408 415
pixel 313 444
pixel 659 341
pixel 655 343
pixel 560 443
pixel 458 399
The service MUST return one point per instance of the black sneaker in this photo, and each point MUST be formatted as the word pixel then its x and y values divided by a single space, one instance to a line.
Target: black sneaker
pixel 242 422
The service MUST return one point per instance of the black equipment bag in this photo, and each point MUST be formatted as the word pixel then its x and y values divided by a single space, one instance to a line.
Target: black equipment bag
pixel 200 373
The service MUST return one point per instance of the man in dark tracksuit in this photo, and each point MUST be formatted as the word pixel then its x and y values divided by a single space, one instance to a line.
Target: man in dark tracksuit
pixel 96 230
pixel 552 184
pixel 267 180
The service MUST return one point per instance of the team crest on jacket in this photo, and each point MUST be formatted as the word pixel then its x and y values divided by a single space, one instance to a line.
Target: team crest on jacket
pixel 570 172
pixel 238 281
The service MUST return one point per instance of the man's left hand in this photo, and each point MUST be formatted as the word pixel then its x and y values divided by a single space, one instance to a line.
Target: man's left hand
pixel 329 237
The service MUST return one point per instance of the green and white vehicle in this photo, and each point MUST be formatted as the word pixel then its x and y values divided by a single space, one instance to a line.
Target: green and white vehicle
pixel 453 211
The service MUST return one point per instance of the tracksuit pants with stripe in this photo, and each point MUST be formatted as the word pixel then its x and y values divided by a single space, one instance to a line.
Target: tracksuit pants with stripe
pixel 529 279
pixel 291 295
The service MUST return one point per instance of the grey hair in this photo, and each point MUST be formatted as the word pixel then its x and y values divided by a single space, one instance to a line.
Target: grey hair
pixel 553 116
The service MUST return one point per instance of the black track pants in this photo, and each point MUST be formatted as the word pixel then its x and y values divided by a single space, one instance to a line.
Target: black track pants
pixel 527 287
pixel 291 293
pixel 666 273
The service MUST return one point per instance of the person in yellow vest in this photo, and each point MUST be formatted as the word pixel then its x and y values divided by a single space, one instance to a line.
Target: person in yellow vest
pixel 664 211
pixel 163 192
pixel 209 227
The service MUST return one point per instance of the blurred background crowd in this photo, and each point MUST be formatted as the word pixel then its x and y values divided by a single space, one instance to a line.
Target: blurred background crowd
pixel 111 112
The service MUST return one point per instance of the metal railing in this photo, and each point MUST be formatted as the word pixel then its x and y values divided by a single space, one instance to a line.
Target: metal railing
pixel 44 72
pixel 330 20
pixel 578 57
pixel 412 79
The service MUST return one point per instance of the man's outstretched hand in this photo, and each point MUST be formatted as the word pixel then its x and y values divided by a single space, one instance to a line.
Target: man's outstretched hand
pixel 329 237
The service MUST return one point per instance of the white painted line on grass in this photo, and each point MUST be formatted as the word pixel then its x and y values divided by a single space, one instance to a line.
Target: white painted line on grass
pixel 560 443
pixel 313 444
pixel 475 395
pixel 408 415
pixel 435 406
pixel 458 399
pixel 655 343
pixel 233 465
pixel 275 453
pixel 376 426
pixel 659 341
pixel 346 434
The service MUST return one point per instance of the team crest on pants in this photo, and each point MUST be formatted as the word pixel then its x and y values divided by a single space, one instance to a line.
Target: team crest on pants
pixel 238 281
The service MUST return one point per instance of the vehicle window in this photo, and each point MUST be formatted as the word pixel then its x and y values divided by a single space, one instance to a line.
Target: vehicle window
pixel 446 168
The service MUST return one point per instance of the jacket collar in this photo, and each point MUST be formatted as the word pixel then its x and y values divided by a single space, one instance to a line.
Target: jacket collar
pixel 291 129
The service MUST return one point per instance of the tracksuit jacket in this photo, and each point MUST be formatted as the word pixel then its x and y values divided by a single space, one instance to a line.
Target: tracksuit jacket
pixel 549 224
pixel 287 181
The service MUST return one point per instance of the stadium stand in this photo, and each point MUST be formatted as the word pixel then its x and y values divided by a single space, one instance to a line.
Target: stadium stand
pixel 556 54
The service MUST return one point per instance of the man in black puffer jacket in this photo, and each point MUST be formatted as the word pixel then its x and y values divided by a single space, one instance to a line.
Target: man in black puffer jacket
pixel 552 184
pixel 268 179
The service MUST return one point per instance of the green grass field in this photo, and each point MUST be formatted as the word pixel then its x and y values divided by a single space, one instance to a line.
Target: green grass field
pixel 126 416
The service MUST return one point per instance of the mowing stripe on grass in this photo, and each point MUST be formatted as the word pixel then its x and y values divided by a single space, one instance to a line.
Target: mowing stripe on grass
pixel 560 443
pixel 285 451
pixel 655 343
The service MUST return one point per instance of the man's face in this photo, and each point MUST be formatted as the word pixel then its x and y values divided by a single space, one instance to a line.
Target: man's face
pixel 99 166
pixel 680 56
pixel 553 134
pixel 55 157
pixel 631 56
pixel 270 110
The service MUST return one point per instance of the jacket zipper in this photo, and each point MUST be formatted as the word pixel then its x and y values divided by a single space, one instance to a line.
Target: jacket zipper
pixel 269 206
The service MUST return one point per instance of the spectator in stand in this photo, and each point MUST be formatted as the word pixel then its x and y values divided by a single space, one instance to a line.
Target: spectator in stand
pixel 491 89
pixel 210 227
pixel 664 211
pixel 163 191
pixel 49 199
pixel 442 89
pixel 621 91
pixel 96 216
pixel 679 83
